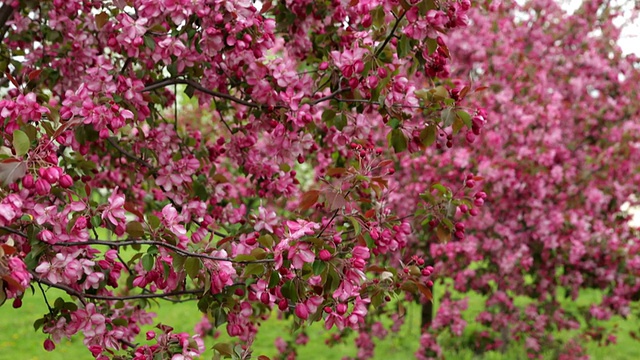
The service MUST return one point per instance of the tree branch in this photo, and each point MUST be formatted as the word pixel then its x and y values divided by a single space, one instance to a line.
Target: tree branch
pixel 5 14
pixel 130 155
pixel 330 96
pixel 83 296
pixel 161 244
pixel 13 231
pixel 393 30
pixel 197 86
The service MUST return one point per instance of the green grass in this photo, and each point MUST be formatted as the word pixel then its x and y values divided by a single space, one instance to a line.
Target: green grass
pixel 18 339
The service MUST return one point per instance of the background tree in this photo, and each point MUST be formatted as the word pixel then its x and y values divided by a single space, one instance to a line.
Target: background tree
pixel 559 159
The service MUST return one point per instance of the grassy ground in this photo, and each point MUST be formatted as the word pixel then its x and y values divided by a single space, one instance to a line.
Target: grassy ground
pixel 18 340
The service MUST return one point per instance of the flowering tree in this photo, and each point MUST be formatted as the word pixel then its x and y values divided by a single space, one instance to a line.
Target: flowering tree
pixel 559 159
pixel 271 190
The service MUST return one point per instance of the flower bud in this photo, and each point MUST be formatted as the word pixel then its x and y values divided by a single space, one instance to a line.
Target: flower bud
pixel 324 255
pixel 49 345
pixel 302 311
pixel 65 181
pixel 42 187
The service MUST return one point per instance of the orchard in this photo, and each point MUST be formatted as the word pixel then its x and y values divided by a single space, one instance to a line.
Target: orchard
pixel 319 161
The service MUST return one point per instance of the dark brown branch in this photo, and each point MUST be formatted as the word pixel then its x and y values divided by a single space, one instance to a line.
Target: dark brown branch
pixel 131 156
pixel 393 30
pixel 83 296
pixel 330 96
pixel 197 86
pixel 161 244
pixel 5 14
pixel 13 231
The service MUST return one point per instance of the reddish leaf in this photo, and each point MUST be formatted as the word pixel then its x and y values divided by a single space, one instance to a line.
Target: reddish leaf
pixel 464 92
pixel 309 199
pixel 376 269
pixel 13 283
pixel 263 357
pixel 336 171
pixel 480 88
pixel 425 291
pixel 224 241
pixel 34 74
pixel 370 213
pixel 266 6
pixel 12 79
pixel 334 200
pixel 132 209
pixel 8 250
pixel 101 20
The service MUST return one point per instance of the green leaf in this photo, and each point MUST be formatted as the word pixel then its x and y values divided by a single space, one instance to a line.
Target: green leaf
pixel 447 116
pixel 457 125
pixel 356 225
pixel 465 117
pixel 398 140
pixel 404 46
pixel 200 190
pixel 149 42
pixel 223 348
pixel 21 142
pixel 441 188
pixel 318 267
pixel 254 269
pixel 153 221
pixel 135 229
pixel 428 135
pixel 328 115
pixel 432 45
pixel 266 241
pixel 147 262
pixel 274 279
pixel 192 266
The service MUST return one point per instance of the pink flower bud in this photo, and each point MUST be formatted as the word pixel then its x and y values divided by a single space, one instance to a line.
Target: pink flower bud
pixel 283 305
pixel 264 298
pixel 66 181
pixel 324 255
pixel 323 65
pixel 17 303
pixel 151 334
pixel 42 187
pixel 302 311
pixel 382 73
pixel 27 181
pixel 341 309
pixel 49 345
pixel 478 201
pixel 473 212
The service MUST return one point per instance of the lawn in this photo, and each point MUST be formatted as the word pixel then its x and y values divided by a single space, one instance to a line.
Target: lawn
pixel 18 340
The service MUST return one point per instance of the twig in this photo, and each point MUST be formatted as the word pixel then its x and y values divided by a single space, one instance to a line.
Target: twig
pixel 46 301
pixel 13 231
pixel 197 86
pixel 83 296
pixel 130 155
pixel 393 30
pixel 330 96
